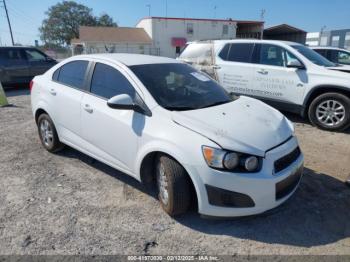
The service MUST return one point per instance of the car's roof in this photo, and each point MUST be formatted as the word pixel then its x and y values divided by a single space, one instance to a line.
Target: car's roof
pixel 131 59
pixel 251 41
pixel 19 47
pixel 328 48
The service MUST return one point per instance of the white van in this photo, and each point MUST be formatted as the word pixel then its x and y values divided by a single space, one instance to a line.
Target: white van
pixel 286 75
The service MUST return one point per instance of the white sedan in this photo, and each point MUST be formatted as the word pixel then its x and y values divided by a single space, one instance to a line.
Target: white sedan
pixel 160 120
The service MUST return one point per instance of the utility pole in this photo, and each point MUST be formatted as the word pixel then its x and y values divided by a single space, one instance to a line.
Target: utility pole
pixel 8 21
pixel 149 9
pixel 215 7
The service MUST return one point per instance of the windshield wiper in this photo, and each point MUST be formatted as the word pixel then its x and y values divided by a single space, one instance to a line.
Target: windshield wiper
pixel 179 108
pixel 216 104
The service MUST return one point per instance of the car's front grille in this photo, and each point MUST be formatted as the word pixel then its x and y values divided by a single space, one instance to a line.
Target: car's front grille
pixel 285 161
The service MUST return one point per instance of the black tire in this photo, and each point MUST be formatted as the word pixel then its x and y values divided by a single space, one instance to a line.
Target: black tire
pixel 317 103
pixel 54 144
pixel 178 186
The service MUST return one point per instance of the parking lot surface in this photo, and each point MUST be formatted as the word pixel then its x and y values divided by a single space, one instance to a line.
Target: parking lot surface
pixel 67 203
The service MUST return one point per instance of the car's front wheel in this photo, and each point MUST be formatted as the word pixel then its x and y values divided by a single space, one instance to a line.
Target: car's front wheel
pixel 174 187
pixel 48 134
pixel 330 111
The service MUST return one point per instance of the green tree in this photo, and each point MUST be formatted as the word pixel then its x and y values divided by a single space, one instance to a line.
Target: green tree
pixel 105 20
pixel 63 21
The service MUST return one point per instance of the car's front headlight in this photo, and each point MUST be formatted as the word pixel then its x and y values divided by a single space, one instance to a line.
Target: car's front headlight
pixel 231 161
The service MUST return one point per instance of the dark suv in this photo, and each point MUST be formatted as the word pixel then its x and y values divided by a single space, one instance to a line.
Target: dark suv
pixel 18 65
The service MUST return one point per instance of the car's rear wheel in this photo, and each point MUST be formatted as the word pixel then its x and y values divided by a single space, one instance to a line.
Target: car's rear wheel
pixel 174 186
pixel 330 111
pixel 48 134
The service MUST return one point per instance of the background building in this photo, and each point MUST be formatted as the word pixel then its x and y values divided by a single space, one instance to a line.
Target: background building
pixel 112 40
pixel 170 34
pixel 285 32
pixel 335 38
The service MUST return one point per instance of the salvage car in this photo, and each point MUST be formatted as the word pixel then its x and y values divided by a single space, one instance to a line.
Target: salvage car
pixel 18 65
pixel 340 57
pixel 158 119
pixel 286 75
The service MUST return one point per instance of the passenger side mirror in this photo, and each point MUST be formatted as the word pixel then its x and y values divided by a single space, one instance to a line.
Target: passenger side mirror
pixel 295 64
pixel 125 102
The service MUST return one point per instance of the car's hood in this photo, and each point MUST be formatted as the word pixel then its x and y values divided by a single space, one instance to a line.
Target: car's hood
pixel 245 125
pixel 342 68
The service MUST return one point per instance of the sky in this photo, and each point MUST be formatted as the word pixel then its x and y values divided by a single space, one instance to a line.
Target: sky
pixel 310 15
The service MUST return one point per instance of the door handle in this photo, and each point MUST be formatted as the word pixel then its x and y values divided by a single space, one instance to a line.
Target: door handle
pixel 263 72
pixel 53 92
pixel 88 109
pixel 216 67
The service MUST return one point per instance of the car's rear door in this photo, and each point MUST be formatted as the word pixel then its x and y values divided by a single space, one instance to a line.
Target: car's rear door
pixel 110 134
pixel 38 62
pixel 64 95
pixel 233 67
pixel 274 82
pixel 14 66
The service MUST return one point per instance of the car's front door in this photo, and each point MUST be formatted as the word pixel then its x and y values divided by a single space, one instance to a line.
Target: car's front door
pixel 111 134
pixel 274 81
pixel 234 69
pixel 38 62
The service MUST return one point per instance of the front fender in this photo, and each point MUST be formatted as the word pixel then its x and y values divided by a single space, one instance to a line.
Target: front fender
pixel 165 147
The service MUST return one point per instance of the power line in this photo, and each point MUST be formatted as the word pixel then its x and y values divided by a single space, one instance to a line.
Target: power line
pixel 8 21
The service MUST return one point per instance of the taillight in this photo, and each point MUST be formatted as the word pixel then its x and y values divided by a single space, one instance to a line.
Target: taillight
pixel 31 85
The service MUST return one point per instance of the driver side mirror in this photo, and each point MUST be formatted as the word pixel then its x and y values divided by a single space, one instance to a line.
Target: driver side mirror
pixel 295 64
pixel 125 102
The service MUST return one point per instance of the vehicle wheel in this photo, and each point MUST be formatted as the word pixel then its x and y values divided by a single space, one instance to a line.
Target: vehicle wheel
pixel 330 111
pixel 48 134
pixel 174 188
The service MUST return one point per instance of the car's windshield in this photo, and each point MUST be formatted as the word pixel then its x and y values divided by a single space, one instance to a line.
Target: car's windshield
pixel 180 87
pixel 313 56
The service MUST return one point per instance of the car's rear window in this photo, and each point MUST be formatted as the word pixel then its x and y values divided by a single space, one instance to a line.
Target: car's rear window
pixel 73 74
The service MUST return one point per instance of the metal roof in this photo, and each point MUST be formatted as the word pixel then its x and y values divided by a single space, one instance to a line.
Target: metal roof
pixel 282 29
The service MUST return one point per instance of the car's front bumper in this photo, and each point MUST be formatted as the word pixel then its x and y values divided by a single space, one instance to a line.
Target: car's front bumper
pixel 266 189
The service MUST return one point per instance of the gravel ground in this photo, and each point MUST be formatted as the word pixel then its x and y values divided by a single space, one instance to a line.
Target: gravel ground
pixel 70 204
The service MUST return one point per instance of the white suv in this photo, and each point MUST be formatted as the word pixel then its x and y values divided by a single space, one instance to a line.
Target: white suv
pixel 158 119
pixel 286 75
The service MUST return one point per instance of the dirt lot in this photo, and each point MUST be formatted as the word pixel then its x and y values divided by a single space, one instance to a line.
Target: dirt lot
pixel 69 204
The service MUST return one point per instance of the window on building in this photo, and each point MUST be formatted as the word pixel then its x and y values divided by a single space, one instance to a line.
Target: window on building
pixel 240 53
pixel 190 29
pixel 108 82
pixel 347 40
pixel 324 41
pixel 335 40
pixel 225 29
pixel 73 74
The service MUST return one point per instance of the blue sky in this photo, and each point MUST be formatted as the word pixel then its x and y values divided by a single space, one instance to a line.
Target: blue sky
pixel 310 15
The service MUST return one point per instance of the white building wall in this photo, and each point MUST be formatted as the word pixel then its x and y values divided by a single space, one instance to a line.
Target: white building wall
pixel 100 47
pixel 164 30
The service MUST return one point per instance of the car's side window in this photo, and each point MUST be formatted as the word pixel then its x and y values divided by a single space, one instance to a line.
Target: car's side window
pixel 271 55
pixel 289 57
pixel 108 82
pixel 344 58
pixel 73 74
pixel 33 55
pixel 14 54
pixel 240 52
pixel 56 74
pixel 224 52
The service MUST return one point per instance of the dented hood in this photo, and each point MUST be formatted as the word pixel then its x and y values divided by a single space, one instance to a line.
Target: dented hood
pixel 245 125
